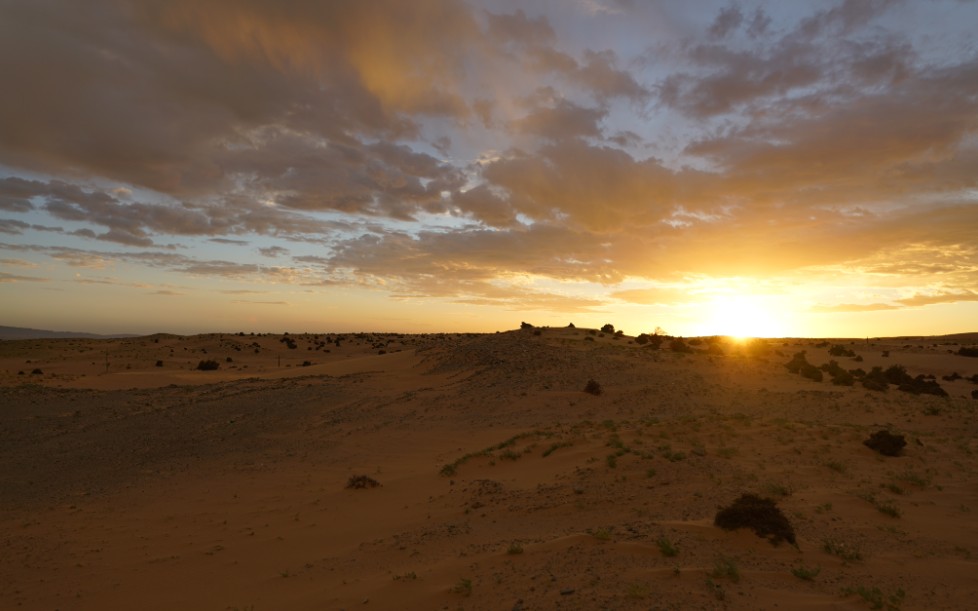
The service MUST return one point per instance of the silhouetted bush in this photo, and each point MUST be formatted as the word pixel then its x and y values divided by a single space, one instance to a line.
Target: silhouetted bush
pixel 922 386
pixel 37 372
pixel 358 482
pixel 954 376
pixel 758 514
pixel 608 328
pixel 797 362
pixel 811 372
pixel 592 387
pixel 968 351
pixel 678 345
pixel 897 374
pixel 525 325
pixel 875 380
pixel 886 443
pixel 159 363
pixel 840 377
pixel 208 365
pixel 840 350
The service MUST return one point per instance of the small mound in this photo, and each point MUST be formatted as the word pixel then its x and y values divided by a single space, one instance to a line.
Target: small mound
pixel 886 443
pixel 358 482
pixel 758 514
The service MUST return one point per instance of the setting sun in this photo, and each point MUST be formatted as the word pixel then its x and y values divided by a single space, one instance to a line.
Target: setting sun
pixel 744 316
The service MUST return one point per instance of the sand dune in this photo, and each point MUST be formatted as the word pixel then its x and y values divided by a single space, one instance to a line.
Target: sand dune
pixel 502 484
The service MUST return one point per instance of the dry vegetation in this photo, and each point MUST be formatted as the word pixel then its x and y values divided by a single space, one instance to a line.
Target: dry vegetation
pixel 132 477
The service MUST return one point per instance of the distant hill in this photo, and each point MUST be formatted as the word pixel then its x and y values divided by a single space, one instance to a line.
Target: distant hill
pixel 23 333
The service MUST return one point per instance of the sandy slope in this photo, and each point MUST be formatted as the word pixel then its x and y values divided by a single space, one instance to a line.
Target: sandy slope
pixel 503 485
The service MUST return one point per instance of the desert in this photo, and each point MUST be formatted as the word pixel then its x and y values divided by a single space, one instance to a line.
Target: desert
pixel 538 468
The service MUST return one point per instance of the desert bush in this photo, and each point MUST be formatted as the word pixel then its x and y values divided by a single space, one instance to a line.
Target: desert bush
pixel 897 374
pixel 967 351
pixel 592 388
pixel 159 363
pixel 875 380
pixel 840 377
pixel 678 345
pixel 761 515
pixel 608 328
pixel 209 365
pixel 886 443
pixel 811 372
pixel 923 386
pixel 797 361
pixel 357 482
pixel 840 350
pixel 974 394
pixel 954 376
pixel 525 326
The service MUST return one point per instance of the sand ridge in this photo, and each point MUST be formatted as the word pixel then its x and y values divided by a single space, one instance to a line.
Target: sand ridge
pixel 503 484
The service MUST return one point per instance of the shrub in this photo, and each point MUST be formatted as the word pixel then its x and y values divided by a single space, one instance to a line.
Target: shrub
pixel 875 380
pixel 592 387
pixel 159 363
pixel 209 365
pixel 37 372
pixel 525 326
pixel 897 374
pixel 840 350
pixel 678 345
pixel 358 482
pixel 886 443
pixel 811 372
pixel 760 515
pixel 608 328
pixel 968 351
pixel 840 377
pixel 923 386
pixel 797 362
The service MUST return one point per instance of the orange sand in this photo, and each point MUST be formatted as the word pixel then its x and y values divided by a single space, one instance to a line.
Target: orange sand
pixel 132 486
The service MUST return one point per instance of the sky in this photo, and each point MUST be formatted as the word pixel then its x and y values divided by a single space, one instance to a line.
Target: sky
pixel 782 168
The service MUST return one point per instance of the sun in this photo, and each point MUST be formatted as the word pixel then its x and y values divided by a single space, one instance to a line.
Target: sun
pixel 743 316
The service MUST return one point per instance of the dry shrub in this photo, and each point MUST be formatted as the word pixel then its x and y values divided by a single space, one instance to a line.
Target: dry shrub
pixel 592 387
pixel 758 514
pixel 359 482
pixel 886 443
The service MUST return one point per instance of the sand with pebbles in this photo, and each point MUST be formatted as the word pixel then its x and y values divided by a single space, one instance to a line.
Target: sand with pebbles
pixel 131 479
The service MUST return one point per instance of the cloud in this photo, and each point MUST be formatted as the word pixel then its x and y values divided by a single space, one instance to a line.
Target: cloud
pixel 946 297
pixel 728 19
pixel 273 251
pixel 10 278
pixel 437 148
pixel 854 307
pixel 253 302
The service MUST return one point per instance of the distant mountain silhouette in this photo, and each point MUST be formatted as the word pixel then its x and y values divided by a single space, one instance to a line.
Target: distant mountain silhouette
pixel 24 333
